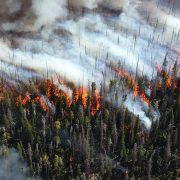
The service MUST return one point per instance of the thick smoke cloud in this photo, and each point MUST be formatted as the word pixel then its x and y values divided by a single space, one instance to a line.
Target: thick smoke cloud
pixel 78 43
pixel 116 4
pixel 20 13
pixel 91 4
pixel 13 6
pixel 48 11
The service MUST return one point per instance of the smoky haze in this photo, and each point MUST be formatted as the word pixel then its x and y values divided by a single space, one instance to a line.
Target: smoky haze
pixel 78 39
pixel 12 167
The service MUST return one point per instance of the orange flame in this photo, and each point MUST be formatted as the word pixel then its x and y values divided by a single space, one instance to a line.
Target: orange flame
pixel 43 103
pixel 169 82
pixel 158 67
pixel 159 86
pixel 126 127
pixel 136 87
pixel 96 104
pixel 84 97
pixel 24 101
pixel 71 159
pixel 144 98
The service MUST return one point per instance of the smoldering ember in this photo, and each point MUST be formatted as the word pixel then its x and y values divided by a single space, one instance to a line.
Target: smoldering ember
pixel 90 89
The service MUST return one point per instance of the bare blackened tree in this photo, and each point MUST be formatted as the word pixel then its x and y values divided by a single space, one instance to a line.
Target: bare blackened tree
pixel 109 143
pixel 133 178
pixel 123 110
pixel 38 169
pixel 44 132
pixel 101 133
pixel 175 138
pixel 101 164
pixel 30 153
pixel 110 168
pixel 167 152
pixel 149 169
pixel 126 176
pixel 37 149
pixel 80 143
pixel 74 145
pixel 9 116
pixel 164 104
pixel 155 87
pixel 24 153
pixel 134 157
pixel 87 155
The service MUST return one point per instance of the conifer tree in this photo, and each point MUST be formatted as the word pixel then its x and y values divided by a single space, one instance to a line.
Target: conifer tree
pixel 20 107
pixel 6 123
pixel 174 77
pixel 101 164
pixel 106 116
pixel 134 156
pixel 115 134
pixel 19 148
pixel 137 125
pixel 122 149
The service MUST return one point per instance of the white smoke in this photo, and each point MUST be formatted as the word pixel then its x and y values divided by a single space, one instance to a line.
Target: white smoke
pixel 136 106
pixel 79 45
pixel 48 11
pixel 139 108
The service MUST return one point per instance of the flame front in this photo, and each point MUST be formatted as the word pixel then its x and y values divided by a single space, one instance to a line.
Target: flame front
pixel 133 86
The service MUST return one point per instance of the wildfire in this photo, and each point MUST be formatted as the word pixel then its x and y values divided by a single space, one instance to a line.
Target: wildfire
pixel 141 94
pixel 126 127
pixel 43 103
pixel 84 97
pixel 76 94
pixel 67 97
pixel 169 82
pixel 144 98
pixel 136 90
pixel 169 79
pixel 16 100
pixel 24 100
pixel 159 86
pixel 96 104
pixel 71 159
pixel 158 68
pixel 83 93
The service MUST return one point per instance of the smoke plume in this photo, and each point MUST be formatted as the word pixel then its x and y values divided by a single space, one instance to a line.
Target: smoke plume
pixel 77 39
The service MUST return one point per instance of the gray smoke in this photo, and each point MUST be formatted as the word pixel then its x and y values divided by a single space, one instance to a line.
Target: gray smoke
pixel 91 4
pixel 12 167
pixel 48 11
pixel 77 42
